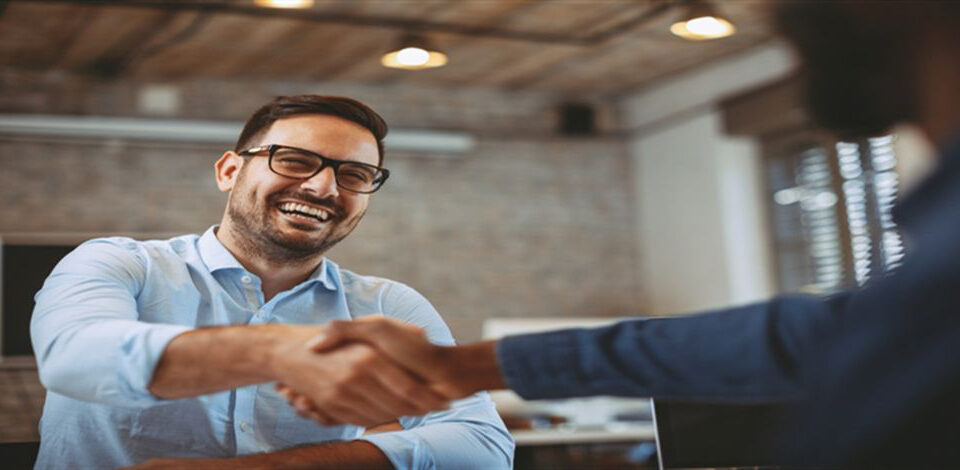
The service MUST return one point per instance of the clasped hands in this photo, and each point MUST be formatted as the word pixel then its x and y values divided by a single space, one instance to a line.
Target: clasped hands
pixel 367 372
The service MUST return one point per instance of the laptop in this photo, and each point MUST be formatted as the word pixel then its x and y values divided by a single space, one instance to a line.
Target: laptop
pixel 708 435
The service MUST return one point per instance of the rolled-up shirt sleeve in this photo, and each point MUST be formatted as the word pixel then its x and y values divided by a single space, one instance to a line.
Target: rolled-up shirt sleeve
pixel 86 333
pixel 468 435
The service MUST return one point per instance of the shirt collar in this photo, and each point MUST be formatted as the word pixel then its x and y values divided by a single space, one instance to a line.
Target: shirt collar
pixel 214 254
pixel 325 274
pixel 943 178
pixel 217 257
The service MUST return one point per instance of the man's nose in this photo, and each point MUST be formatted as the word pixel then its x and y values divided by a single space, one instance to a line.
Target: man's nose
pixel 322 184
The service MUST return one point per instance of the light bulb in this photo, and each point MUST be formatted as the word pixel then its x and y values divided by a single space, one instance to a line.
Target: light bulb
pixel 285 3
pixel 703 27
pixel 412 56
pixel 707 26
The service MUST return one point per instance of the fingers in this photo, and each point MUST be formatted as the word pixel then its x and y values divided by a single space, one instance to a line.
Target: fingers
pixel 356 384
pixel 404 343
pixel 378 331
pixel 306 409
pixel 355 411
pixel 380 392
pixel 303 406
pixel 412 391
pixel 325 341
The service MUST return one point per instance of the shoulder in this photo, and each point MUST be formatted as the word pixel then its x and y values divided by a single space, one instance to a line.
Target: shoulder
pixel 119 255
pixel 391 297
pixel 382 288
pixel 104 252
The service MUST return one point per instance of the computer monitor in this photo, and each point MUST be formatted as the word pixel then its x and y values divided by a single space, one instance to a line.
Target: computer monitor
pixel 25 262
pixel 710 435
pixel 26 259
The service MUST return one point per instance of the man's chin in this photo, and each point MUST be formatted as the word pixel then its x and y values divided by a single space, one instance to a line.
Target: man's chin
pixel 291 247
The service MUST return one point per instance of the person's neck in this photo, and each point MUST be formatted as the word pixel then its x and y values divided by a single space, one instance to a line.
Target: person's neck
pixel 275 276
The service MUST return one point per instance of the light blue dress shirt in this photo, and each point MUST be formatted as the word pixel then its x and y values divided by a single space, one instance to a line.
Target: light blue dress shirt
pixel 109 308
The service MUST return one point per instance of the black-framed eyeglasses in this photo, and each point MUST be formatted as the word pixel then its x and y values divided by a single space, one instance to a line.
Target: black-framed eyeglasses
pixel 294 162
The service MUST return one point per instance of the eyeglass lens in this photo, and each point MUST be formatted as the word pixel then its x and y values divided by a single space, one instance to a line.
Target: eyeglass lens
pixel 297 164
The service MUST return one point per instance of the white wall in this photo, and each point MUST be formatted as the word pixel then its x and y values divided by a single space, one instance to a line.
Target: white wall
pixel 915 157
pixel 702 229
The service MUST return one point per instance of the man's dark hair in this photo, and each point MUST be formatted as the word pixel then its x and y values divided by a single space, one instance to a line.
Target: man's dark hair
pixel 286 106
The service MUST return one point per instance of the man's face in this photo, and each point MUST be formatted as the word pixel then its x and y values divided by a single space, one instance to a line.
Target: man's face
pixel 858 62
pixel 259 202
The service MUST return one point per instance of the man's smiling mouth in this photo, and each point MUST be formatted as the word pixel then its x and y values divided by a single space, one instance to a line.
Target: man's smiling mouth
pixel 304 211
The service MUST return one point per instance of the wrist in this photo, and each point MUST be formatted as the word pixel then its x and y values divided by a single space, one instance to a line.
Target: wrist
pixel 474 367
pixel 281 344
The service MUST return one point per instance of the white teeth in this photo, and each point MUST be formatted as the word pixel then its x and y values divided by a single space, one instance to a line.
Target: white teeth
pixel 304 209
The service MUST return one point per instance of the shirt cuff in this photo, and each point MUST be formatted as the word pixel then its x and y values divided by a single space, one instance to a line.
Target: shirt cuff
pixel 141 352
pixel 540 365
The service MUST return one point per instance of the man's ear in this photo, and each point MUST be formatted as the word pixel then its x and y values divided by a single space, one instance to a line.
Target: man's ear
pixel 227 169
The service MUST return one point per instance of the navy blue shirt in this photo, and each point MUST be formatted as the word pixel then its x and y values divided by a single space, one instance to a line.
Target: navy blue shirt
pixel 874 374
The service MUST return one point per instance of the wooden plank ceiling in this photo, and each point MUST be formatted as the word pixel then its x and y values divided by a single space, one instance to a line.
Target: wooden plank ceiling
pixel 571 47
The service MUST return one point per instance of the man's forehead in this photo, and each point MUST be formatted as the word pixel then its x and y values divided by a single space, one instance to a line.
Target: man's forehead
pixel 332 136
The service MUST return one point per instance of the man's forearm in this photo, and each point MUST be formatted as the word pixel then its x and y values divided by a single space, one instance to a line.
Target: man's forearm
pixel 352 383
pixel 208 360
pixel 333 455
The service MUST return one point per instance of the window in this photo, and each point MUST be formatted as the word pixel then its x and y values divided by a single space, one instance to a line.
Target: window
pixel 831 211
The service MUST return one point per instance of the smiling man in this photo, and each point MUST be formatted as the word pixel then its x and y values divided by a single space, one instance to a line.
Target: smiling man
pixel 170 348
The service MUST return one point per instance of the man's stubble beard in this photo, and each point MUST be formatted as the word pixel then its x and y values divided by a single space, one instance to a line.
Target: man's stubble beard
pixel 256 234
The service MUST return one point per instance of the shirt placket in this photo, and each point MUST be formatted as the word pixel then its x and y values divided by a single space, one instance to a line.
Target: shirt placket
pixel 243 419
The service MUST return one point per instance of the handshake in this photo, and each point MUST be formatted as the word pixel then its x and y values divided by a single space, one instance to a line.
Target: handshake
pixel 371 371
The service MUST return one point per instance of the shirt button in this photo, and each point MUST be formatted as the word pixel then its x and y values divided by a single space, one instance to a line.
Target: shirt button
pixel 244 426
pixel 246 279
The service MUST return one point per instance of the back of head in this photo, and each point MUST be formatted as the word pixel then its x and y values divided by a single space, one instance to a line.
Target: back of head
pixel 860 58
pixel 286 106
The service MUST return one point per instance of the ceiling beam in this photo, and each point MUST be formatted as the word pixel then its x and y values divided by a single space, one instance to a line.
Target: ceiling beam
pixel 643 15
pixel 448 143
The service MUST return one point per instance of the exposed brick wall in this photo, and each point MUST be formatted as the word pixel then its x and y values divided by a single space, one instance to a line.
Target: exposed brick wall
pixel 21 401
pixel 518 228
pixel 526 225
pixel 520 114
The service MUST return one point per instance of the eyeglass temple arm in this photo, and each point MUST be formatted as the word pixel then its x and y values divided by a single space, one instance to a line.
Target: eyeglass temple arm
pixel 253 150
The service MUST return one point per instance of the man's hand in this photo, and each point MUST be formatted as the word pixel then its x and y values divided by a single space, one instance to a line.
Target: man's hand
pixel 352 383
pixel 349 384
pixel 451 372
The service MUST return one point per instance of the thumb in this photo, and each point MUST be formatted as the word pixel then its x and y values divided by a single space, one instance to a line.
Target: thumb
pixel 336 333
pixel 326 339
pixel 405 344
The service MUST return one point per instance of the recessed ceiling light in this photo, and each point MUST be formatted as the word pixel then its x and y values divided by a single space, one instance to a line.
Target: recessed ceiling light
pixel 284 3
pixel 701 22
pixel 414 53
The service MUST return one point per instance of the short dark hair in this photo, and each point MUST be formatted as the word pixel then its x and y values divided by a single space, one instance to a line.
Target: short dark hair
pixel 339 106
